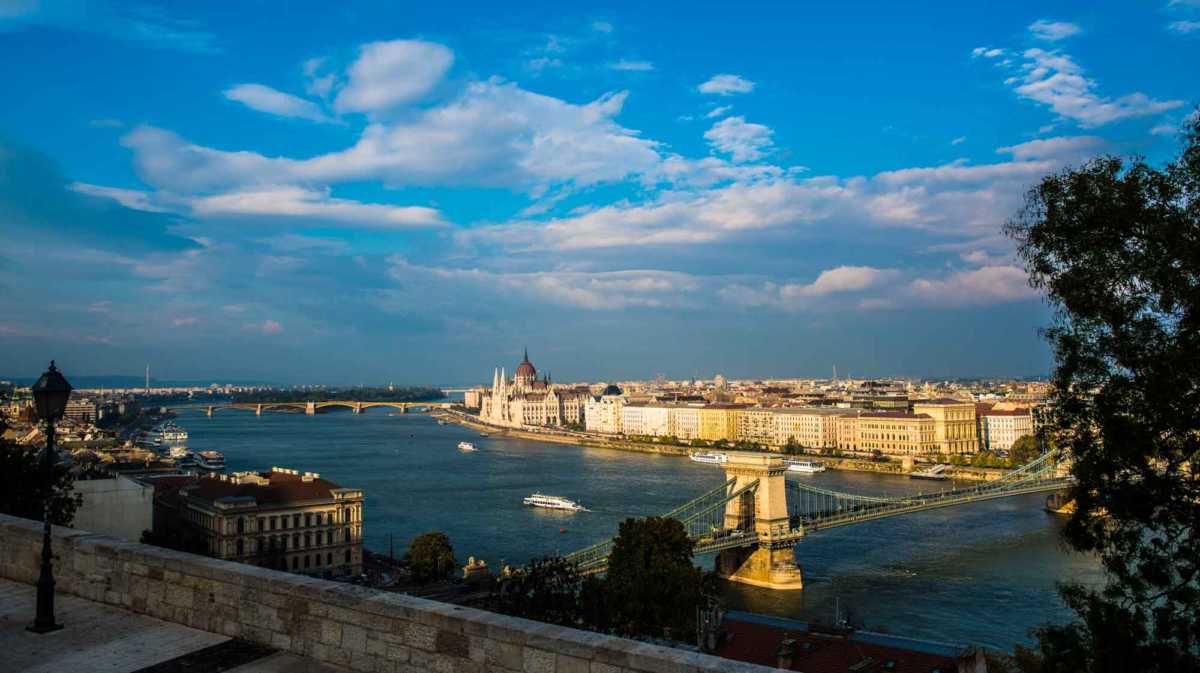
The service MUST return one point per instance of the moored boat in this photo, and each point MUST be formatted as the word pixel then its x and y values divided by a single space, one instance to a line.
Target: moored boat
pixel 710 457
pixel 210 460
pixel 466 446
pixel 804 466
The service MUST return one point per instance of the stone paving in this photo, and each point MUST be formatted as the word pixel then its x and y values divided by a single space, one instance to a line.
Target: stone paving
pixel 103 639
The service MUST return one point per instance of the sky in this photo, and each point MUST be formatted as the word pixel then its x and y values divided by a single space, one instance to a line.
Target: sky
pixel 370 192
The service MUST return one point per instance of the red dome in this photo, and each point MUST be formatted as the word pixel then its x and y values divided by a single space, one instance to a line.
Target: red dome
pixel 525 370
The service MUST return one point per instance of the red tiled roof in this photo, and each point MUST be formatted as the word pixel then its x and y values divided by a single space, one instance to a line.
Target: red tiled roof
pixel 283 487
pixel 758 642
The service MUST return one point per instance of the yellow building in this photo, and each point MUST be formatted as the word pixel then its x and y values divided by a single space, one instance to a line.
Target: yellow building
pixel 719 421
pixel 896 433
pixel 757 425
pixel 955 430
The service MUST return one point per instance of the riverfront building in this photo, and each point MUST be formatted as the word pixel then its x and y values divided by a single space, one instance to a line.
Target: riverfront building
pixel 896 433
pixel 276 519
pixel 1000 428
pixel 954 424
pixel 526 400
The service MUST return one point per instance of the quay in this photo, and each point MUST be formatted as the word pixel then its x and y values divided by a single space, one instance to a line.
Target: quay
pixel 962 473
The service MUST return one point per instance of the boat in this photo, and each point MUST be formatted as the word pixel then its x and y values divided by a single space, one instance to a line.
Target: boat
pixel 466 446
pixel 935 473
pixel 484 434
pixel 210 460
pixel 804 466
pixel 441 422
pixel 709 457
pixel 553 502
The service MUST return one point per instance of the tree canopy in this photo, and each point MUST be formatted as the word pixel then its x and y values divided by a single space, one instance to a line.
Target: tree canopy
pixel 652 583
pixel 431 557
pixel 1025 449
pixel 24 488
pixel 1115 245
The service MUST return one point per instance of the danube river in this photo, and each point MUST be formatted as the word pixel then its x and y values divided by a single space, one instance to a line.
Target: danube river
pixel 983 573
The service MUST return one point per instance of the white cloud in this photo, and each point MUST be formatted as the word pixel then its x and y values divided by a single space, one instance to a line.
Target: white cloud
pixel 1053 31
pixel 1164 130
pixel 718 111
pixel 1054 79
pixel 265 99
pixel 602 26
pixel 185 322
pixel 636 66
pixel 1184 27
pixel 1062 147
pixel 987 52
pixel 266 327
pixel 130 198
pixel 959 140
pixel 285 201
pixel 493 134
pixel 741 140
pixel 390 74
pixel 986 285
pixel 725 85
pixel 838 280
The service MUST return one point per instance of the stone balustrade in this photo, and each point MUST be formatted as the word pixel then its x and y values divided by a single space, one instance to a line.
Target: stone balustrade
pixel 360 628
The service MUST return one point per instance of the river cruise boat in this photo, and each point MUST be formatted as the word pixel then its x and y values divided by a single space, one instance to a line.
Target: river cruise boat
pixel 803 466
pixel 553 502
pixel 709 457
pixel 466 446
pixel 210 460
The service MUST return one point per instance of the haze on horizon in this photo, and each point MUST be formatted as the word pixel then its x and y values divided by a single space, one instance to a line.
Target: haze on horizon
pixel 376 193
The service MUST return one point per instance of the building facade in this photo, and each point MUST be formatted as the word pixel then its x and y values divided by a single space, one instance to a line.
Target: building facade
pixel 604 412
pixel 897 433
pixel 999 429
pixel 526 400
pixel 278 519
pixel 954 424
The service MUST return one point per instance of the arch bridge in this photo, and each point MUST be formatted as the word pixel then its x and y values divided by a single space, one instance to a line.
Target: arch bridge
pixel 754 520
pixel 312 408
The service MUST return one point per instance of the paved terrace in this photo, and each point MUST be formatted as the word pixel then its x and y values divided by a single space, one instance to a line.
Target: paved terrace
pixel 134 607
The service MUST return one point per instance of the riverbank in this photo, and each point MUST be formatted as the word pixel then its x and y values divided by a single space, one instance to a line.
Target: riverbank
pixel 963 473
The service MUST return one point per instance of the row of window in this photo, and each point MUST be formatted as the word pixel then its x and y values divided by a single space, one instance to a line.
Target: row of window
pixel 306 520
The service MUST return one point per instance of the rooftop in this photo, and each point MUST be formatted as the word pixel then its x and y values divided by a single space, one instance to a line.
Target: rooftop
pixel 275 486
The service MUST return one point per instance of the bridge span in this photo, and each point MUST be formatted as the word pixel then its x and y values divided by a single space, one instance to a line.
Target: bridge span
pixel 312 408
pixel 755 519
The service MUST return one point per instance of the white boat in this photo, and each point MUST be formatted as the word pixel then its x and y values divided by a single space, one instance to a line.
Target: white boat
pixel 803 466
pixel 210 460
pixel 710 457
pixel 466 446
pixel 553 502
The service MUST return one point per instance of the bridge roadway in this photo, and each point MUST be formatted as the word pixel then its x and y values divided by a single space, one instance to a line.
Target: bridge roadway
pixel 311 408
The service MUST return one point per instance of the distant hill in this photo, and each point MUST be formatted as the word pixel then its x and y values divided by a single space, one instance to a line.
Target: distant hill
pixel 111 381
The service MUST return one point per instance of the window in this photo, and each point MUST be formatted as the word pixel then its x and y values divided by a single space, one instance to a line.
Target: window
pixel 307 561
pixel 320 538
pixel 318 518
pixel 295 562
pixel 347 556
pixel 274 520
pixel 329 559
pixel 308 539
pixel 295 521
pixel 295 540
pixel 307 520
pixel 240 547
pixel 241 524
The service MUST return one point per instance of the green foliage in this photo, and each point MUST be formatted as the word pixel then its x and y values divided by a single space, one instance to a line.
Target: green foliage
pixel 698 443
pixel 430 557
pixel 652 586
pixel 1116 247
pixel 24 488
pixel 548 590
pixel 1025 449
pixel 792 446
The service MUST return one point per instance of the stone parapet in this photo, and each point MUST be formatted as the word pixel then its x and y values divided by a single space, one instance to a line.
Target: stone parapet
pixel 360 628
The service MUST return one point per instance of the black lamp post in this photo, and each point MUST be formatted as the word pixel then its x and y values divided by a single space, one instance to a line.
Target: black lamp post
pixel 50 395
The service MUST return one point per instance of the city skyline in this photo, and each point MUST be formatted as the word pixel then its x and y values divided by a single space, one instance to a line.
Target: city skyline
pixel 411 195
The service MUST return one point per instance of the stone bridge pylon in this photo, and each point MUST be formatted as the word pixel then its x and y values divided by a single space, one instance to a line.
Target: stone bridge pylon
pixel 764 513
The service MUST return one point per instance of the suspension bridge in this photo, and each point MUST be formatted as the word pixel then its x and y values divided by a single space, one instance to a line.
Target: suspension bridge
pixel 754 520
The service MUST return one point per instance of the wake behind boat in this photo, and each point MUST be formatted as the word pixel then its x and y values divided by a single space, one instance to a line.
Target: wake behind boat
pixel 553 502
pixel 466 446
pixel 709 457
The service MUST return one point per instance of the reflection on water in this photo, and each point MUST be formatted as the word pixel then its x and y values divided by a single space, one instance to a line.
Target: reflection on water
pixel 983 573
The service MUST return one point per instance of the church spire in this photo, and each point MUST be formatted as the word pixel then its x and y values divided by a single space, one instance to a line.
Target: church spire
pixel 526 354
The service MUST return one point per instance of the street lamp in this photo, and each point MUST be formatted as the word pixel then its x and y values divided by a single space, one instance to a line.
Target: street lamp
pixel 50 395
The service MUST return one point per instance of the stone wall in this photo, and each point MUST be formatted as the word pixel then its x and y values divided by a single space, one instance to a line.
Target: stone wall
pixel 357 627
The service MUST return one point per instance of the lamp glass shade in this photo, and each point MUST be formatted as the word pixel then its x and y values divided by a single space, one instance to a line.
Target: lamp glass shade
pixel 50 394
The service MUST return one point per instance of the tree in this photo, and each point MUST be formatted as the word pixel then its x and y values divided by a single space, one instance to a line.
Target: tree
pixel 652 587
pixel 24 488
pixel 1025 449
pixel 547 590
pixel 1115 245
pixel 792 446
pixel 430 557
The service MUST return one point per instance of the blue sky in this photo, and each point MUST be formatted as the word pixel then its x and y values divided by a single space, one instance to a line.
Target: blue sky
pixel 370 192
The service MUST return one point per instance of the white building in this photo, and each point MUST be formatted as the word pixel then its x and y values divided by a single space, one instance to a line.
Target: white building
pixel 527 401
pixel 1001 428
pixel 645 420
pixel 603 413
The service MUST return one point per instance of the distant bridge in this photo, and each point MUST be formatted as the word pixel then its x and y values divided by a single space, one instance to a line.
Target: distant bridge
pixel 754 520
pixel 311 408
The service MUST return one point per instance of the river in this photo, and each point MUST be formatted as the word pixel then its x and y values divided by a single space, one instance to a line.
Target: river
pixel 983 573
